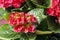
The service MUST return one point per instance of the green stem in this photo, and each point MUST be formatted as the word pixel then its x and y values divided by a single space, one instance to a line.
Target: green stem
pixel 4 38
pixel 38 5
pixel 42 6
pixel 43 32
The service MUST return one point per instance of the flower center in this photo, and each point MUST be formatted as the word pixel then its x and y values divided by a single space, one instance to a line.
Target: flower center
pixel 17 16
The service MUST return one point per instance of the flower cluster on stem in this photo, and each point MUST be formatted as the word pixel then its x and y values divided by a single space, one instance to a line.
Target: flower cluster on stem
pixel 22 22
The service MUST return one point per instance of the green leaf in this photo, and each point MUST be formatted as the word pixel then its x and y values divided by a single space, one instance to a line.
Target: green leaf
pixel 52 25
pixel 6 31
pixel 23 37
pixel 42 37
pixel 42 3
pixel 48 3
pixel 28 36
pixel 6 15
pixel 2 11
pixel 53 38
pixel 32 36
pixel 49 23
pixel 57 30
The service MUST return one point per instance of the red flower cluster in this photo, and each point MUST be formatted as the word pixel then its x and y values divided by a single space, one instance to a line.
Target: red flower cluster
pixel 8 3
pixel 22 22
pixel 54 10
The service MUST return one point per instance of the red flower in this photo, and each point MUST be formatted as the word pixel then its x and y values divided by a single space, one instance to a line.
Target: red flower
pixel 22 22
pixel 18 28
pixel 54 3
pixel 32 18
pixel 5 3
pixel 16 3
pixel 12 22
pixel 32 28
pixel 25 29
pixel 54 10
pixel 8 3
pixel 16 18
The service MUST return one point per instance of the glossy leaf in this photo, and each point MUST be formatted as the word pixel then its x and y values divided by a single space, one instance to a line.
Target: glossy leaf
pixel 2 11
pixel 28 36
pixel 6 32
pixel 6 15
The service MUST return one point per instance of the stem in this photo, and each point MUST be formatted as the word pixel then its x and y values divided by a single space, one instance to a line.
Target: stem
pixel 43 32
pixel 38 5
pixel 4 38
